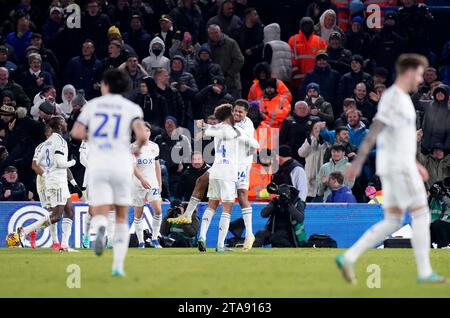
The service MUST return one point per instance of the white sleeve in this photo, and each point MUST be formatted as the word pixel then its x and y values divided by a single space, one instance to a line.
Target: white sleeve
pixel 83 118
pixel 83 154
pixel 298 177
pixel 386 112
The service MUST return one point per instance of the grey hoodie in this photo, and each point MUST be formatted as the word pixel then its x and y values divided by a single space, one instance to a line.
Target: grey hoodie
pixel 153 62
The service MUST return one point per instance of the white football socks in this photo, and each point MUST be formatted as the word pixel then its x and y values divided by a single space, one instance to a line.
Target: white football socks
pixel 375 234
pixel 111 225
pixel 247 216
pixel 224 225
pixel 206 221
pixel 420 241
pixel 120 246
pixel 156 225
pixel 54 233
pixel 66 231
pixel 139 228
pixel 192 205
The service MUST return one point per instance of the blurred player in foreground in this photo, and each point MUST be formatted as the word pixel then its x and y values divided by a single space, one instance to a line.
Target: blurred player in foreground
pixel 402 178
pixel 107 122
pixel 146 187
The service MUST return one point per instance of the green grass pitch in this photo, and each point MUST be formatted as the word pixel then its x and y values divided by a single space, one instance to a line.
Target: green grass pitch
pixel 187 273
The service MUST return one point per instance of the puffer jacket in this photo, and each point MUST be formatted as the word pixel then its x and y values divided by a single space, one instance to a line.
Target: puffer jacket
pixel 328 168
pixel 436 120
pixel 313 151
pixel 277 53
pixel 152 62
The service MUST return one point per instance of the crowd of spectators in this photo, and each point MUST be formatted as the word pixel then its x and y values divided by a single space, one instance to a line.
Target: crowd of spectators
pixel 317 81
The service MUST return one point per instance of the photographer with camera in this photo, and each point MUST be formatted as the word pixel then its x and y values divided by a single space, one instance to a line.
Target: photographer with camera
pixel 182 235
pixel 440 212
pixel 286 213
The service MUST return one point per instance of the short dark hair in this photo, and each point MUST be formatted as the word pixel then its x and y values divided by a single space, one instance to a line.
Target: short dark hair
pixel 147 124
pixel 338 176
pixel 117 81
pixel 410 61
pixel 55 121
pixel 248 11
pixel 223 112
pixel 242 103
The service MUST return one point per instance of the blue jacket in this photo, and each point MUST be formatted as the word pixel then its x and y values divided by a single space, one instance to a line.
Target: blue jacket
pixel 355 136
pixel 83 74
pixel 343 195
pixel 19 44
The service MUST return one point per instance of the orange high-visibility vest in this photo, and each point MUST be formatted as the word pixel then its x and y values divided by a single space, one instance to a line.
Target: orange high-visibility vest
pixel 276 110
pixel 256 91
pixel 343 15
pixel 304 53
pixel 259 179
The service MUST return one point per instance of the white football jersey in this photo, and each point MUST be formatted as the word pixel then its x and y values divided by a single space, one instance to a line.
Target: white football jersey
pixel 146 163
pixel 42 163
pixel 245 156
pixel 55 146
pixel 397 142
pixel 109 119
pixel 225 166
pixel 84 151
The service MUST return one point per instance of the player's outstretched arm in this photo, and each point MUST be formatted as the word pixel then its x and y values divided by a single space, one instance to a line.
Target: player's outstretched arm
pixel 78 131
pixel 61 161
pixel 366 146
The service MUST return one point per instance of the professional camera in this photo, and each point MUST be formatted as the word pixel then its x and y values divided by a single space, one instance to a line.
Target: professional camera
pixel 441 189
pixel 285 192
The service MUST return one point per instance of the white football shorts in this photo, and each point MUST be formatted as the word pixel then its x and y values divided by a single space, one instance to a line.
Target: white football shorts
pixel 222 190
pixel 110 187
pixel 243 181
pixel 403 190
pixel 141 196
pixel 57 194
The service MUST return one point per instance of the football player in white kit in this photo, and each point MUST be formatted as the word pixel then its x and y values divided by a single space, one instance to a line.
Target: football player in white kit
pixel 107 122
pixel 39 169
pixel 402 177
pixel 84 151
pixel 147 185
pixel 241 120
pixel 223 173
pixel 54 152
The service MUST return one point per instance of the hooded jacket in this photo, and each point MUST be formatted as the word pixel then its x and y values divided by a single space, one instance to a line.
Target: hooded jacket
pixel 436 119
pixel 277 53
pixel 256 91
pixel 328 80
pixel 204 71
pixel 324 107
pixel 328 168
pixel 152 62
pixel 323 32
pixel 228 55
pixel 66 106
